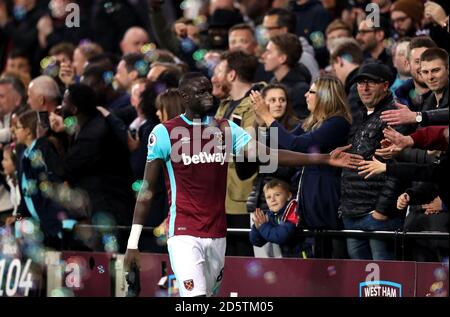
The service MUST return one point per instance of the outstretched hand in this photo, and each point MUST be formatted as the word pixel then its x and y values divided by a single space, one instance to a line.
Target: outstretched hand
pixel 400 140
pixel 340 158
pixel 371 168
pixel 401 115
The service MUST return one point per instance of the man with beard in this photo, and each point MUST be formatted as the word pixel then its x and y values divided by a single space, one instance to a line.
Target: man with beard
pixel 371 38
pixel 406 16
pixel 197 178
pixel 233 83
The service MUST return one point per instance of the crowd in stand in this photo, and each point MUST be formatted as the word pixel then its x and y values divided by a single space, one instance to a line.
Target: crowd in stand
pixel 78 103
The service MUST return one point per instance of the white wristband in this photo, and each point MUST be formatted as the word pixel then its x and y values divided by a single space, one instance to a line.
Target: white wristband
pixel 135 233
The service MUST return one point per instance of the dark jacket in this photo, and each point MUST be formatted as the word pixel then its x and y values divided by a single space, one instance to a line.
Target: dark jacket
pixel 39 165
pixel 98 163
pixel 433 113
pixel 360 196
pixel 311 22
pixel 319 185
pixel 297 81
pixel 277 230
pixel 406 91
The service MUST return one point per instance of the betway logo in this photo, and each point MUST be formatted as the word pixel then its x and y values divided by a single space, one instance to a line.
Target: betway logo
pixel 203 157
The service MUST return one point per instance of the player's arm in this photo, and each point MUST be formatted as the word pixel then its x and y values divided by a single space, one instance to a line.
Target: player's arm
pixel 338 157
pixel 141 211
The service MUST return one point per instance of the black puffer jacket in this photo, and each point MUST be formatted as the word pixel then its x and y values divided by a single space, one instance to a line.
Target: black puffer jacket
pixel 360 196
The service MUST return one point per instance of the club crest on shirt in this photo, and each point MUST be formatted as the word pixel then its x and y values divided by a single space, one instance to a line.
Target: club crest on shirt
pixel 152 140
pixel 189 284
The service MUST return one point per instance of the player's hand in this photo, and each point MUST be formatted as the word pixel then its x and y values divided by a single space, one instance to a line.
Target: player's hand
pixel 339 158
pixel 131 256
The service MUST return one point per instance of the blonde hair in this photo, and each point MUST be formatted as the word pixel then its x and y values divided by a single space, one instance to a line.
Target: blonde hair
pixel 331 101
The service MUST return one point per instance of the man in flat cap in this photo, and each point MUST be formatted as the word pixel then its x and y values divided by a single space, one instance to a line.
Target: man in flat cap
pixel 370 204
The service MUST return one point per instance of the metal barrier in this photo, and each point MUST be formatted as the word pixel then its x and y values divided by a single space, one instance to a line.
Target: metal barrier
pixel 400 237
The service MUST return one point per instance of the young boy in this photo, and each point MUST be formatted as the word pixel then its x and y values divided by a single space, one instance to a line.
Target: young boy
pixel 278 224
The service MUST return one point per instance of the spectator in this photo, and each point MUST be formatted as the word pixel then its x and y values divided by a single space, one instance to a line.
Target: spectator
pixel 9 162
pixel 131 67
pixel 414 91
pixel 336 30
pixel 401 64
pixel 133 40
pixel 235 73
pixel 276 98
pixel 406 17
pixel 326 128
pixel 312 21
pixel 345 60
pixel 372 38
pixel 169 105
pixel 40 167
pixel 12 96
pixel 18 64
pixel 82 54
pixel 280 21
pixel 280 57
pixel 63 52
pixel 88 165
pixel 370 204
pixel 277 224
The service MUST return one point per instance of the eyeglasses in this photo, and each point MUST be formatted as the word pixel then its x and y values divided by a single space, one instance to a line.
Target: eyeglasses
pixel 400 20
pixel 367 82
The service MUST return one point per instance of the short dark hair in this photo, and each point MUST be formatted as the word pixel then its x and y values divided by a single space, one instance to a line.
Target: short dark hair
pixel 243 64
pixel 187 78
pixel 148 101
pixel 420 41
pixel 83 98
pixel 16 53
pixel 290 45
pixel 285 18
pixel 131 62
pixel 242 26
pixel 435 53
pixel 16 84
pixel 277 183
pixel 347 49
pixel 65 48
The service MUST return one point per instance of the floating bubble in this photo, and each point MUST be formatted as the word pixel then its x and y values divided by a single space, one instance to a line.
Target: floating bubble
pixel 270 277
pixel 412 94
pixel 348 58
pixel 108 77
pixel 27 227
pixel 201 19
pixel 199 54
pixel 254 269
pixel 160 87
pixel 157 232
pixel 137 185
pixel 45 62
pixel 262 35
pixel 146 48
pixel 161 241
pixel 142 67
pixel 436 286
pixel 317 39
pixel 110 243
pixel 187 45
pixel 331 270
pixel 103 219
pixel 439 274
pixel 61 292
pixel 183 5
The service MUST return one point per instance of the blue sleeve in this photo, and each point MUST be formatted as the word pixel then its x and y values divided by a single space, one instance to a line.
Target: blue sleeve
pixel 277 233
pixel 332 133
pixel 255 237
pixel 240 137
pixel 159 145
